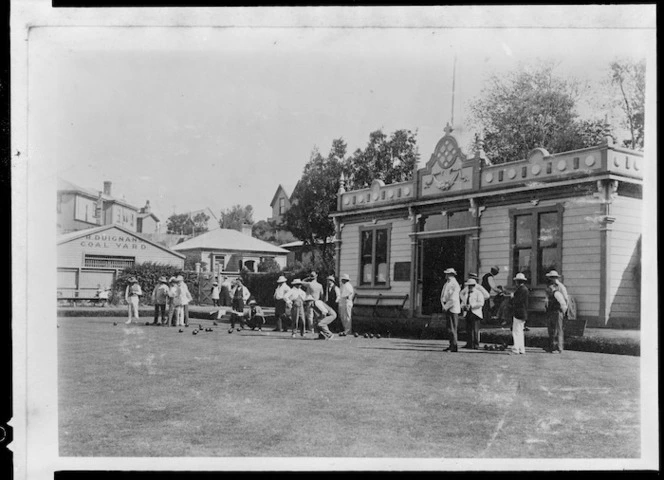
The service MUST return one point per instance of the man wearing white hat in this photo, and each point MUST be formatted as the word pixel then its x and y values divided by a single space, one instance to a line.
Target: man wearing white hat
pixel 472 301
pixel 281 306
pixel 519 314
pixel 323 316
pixel 215 293
pixel 346 296
pixel 315 289
pixel 332 293
pixel 557 301
pixel 450 300
pixel 132 293
pixel 295 300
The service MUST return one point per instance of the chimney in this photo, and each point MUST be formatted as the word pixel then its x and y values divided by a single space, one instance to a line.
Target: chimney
pixel 107 188
pixel 146 208
pixel 246 229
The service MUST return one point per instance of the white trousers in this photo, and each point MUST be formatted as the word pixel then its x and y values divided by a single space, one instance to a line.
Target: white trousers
pixel 133 306
pixel 345 315
pixel 517 335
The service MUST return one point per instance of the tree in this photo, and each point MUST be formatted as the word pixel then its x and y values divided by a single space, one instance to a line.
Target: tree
pixel 269 231
pixel 179 224
pixel 200 221
pixel 236 216
pixel 530 108
pixel 630 78
pixel 269 265
pixel 314 198
pixel 389 159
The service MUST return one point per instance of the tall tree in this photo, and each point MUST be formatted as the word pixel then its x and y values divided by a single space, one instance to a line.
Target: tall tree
pixel 236 216
pixel 200 221
pixel 314 198
pixel 179 224
pixel 630 78
pixel 269 231
pixel 529 108
pixel 390 159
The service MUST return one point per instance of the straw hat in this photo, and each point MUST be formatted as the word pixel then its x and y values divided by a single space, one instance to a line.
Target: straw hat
pixel 180 278
pixel 521 276
pixel 163 280
pixel 331 277
pixel 215 283
pixel 281 279
pixel 133 280
pixel 495 270
pixel 252 302
pixel 450 271
pixel 346 277
pixel 297 281
pixel 552 274
pixel 172 280
pixel 471 282
pixel 472 275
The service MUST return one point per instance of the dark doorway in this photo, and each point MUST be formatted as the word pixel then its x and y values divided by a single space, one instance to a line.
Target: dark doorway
pixel 439 254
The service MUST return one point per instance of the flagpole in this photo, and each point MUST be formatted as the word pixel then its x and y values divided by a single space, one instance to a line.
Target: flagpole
pixel 453 89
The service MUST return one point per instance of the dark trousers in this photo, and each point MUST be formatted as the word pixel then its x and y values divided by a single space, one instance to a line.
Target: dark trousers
pixel 237 318
pixel 473 330
pixel 186 314
pixel 257 321
pixel 554 321
pixel 160 311
pixel 282 315
pixel 452 323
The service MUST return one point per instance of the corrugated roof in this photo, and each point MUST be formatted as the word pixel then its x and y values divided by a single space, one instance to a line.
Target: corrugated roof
pixel 227 239
pixel 300 243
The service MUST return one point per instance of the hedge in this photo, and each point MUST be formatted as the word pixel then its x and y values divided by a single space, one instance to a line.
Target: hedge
pixel 262 284
pixel 148 274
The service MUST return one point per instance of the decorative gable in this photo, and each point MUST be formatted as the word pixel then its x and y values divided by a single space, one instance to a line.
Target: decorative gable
pixel 448 169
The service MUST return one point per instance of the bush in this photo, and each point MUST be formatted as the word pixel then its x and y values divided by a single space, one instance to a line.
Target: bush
pixel 262 285
pixel 269 265
pixel 148 274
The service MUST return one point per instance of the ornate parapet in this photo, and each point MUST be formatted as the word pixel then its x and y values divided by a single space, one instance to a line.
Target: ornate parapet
pixel 377 195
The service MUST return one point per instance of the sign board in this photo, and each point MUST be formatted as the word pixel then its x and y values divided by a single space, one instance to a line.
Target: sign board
pixel 402 271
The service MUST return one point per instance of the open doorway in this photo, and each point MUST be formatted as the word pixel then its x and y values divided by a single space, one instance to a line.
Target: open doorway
pixel 439 254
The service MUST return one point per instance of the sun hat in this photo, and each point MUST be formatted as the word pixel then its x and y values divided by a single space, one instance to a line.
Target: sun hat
pixel 331 277
pixel 172 280
pixel 297 281
pixel 471 281
pixel 133 280
pixel 180 278
pixel 552 274
pixel 345 276
pixel 281 279
pixel 451 271
pixel 163 280
pixel 239 279
pixel 472 275
pixel 520 276
pixel 252 302
pixel 215 283
pixel 495 270
pixel 314 274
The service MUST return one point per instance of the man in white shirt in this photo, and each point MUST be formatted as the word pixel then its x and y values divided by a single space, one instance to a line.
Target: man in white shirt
pixel 346 296
pixel 557 301
pixel 449 298
pixel 315 289
pixel 323 314
pixel 280 309
pixel 472 301
pixel 295 301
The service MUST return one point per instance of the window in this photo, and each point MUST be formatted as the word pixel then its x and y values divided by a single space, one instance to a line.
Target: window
pixel 84 209
pixel 536 242
pixel 108 261
pixel 282 206
pixel 218 263
pixel 374 256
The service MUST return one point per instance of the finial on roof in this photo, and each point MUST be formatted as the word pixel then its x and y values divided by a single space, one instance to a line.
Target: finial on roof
pixel 448 129
pixel 606 131
pixel 342 183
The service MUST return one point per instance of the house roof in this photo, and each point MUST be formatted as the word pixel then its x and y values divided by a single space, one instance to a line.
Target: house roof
pixel 67 186
pixel 280 188
pixel 68 237
pixel 143 215
pixel 228 239
pixel 300 243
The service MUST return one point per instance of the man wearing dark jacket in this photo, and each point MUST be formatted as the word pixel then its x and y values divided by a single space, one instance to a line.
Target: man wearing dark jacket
pixel 520 314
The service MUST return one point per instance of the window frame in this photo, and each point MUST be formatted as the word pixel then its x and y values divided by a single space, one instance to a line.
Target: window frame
pixel 282 206
pixel 373 285
pixel 535 212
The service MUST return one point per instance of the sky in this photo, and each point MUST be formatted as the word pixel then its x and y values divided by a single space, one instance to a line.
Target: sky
pixel 189 118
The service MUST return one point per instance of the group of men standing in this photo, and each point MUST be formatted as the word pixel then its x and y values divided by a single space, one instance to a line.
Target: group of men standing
pixel 473 303
pixel 307 305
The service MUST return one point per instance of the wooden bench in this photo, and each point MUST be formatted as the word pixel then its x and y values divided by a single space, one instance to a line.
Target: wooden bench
pixel 397 303
pixel 74 296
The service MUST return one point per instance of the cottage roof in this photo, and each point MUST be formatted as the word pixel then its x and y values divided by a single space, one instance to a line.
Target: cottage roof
pixel 68 237
pixel 300 243
pixel 228 239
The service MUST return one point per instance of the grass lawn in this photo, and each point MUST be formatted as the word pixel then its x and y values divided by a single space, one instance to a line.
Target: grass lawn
pixel 151 391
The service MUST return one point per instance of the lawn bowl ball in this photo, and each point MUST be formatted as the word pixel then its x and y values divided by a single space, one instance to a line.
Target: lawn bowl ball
pixel 486 347
pixel 195 332
pixel 356 335
pixel 115 324
pixel 366 335
pixel 181 330
pixel 378 335
pixel 371 335
pixel 214 323
pixel 147 323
